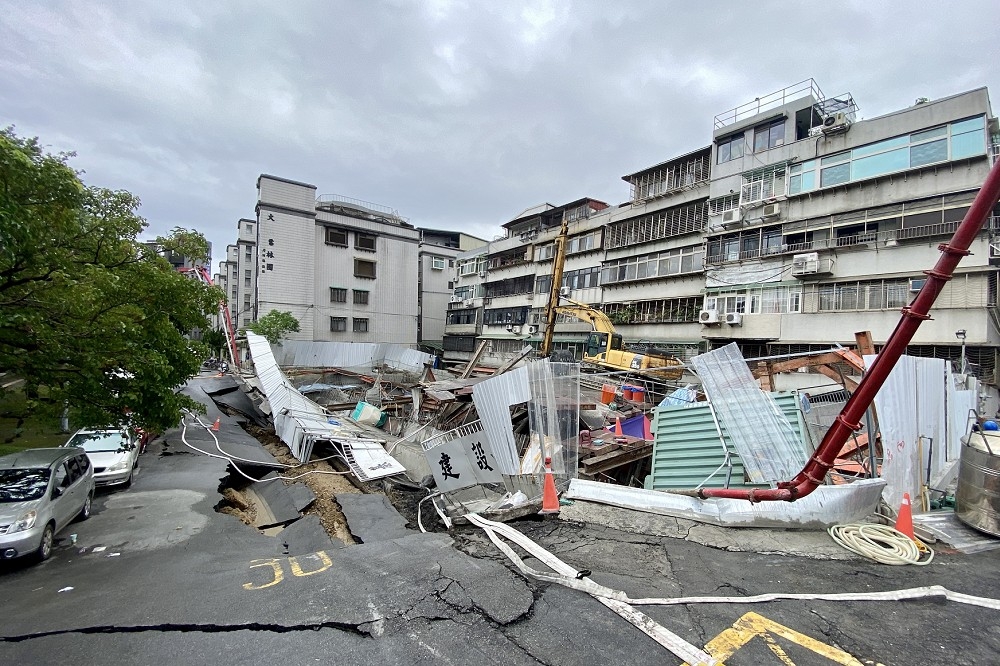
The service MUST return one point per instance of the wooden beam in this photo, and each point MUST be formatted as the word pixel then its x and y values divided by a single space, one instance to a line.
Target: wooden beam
pixel 865 344
pixel 475 359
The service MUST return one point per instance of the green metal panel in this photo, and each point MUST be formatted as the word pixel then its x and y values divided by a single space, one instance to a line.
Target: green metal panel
pixel 686 446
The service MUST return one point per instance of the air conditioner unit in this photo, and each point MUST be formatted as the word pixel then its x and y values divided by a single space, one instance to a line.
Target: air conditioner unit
pixel 564 292
pixel 467 302
pixel 707 317
pixel 771 210
pixel 482 274
pixel 532 329
pixel 455 299
pixel 836 122
pixel 916 284
pixel 731 217
pixel 734 318
pixel 516 330
pixel 805 264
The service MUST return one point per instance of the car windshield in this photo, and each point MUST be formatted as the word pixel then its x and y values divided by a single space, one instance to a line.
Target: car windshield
pixel 21 485
pixel 98 442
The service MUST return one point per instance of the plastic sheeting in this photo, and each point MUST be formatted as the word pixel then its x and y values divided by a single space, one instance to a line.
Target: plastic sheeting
pixel 553 418
pixel 765 440
pixel 300 422
pixel 822 508
pixel 922 418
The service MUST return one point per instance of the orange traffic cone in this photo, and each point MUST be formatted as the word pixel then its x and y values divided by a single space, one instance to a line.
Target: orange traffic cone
pixel 550 498
pixel 215 426
pixel 618 427
pixel 647 429
pixel 904 519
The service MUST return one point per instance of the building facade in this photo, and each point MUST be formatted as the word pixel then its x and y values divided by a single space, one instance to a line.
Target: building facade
pixel 797 226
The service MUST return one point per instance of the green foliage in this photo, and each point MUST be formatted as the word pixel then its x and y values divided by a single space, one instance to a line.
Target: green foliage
pixel 275 325
pixel 86 313
pixel 215 340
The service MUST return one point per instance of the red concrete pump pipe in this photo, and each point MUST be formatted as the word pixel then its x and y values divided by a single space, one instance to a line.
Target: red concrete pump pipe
pixel 849 419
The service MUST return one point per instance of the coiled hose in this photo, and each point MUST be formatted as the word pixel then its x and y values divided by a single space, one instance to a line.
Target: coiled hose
pixel 881 543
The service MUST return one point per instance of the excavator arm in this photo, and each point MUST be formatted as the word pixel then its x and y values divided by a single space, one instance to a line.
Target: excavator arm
pixel 584 312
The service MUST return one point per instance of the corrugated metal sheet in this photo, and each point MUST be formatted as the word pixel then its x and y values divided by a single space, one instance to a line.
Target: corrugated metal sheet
pixel 770 448
pixel 493 398
pixel 300 422
pixel 687 450
pixel 357 356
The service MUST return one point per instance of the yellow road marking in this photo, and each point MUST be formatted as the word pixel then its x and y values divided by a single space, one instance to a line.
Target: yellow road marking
pixel 753 625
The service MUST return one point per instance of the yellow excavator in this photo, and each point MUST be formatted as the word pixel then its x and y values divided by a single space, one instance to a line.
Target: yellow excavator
pixel 605 347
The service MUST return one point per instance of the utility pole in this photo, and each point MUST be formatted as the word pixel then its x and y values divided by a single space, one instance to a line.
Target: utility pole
pixel 557 272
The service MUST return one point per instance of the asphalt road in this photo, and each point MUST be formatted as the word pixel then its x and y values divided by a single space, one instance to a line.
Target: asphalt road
pixel 158 576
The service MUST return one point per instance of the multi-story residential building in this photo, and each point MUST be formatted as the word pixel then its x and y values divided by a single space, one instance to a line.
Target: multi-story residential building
pixel 464 322
pixel 436 281
pixel 798 226
pixel 821 225
pixel 346 269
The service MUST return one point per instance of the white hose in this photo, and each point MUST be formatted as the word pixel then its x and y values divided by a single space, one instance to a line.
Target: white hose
pixel 881 543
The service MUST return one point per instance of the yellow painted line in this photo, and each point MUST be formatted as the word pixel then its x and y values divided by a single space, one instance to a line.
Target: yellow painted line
pixel 753 625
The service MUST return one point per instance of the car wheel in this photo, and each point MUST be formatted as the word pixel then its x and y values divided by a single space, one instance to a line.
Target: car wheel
pixel 128 481
pixel 45 547
pixel 87 507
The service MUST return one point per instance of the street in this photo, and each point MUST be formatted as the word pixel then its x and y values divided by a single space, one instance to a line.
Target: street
pixel 158 575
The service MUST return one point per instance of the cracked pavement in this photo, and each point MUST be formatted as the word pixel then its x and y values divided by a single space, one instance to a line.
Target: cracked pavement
pixel 157 575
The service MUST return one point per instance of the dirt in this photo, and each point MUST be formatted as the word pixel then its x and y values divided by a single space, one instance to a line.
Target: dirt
pixel 324 486
pixel 235 503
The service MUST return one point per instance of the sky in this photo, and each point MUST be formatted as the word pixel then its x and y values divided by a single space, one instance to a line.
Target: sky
pixel 458 114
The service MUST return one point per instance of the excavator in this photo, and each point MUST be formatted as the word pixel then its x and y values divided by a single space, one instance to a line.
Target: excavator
pixel 606 348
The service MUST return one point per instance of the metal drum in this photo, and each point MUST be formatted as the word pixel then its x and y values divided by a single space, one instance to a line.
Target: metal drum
pixel 977 499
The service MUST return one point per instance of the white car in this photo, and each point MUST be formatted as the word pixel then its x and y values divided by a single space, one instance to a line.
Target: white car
pixel 113 453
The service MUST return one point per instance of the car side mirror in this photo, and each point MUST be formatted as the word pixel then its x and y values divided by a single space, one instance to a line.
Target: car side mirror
pixel 57 491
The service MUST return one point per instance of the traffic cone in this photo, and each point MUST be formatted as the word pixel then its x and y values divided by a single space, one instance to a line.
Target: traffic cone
pixel 215 426
pixel 904 519
pixel 618 427
pixel 647 429
pixel 550 498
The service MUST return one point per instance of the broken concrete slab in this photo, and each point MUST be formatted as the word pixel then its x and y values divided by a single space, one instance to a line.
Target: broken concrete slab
pixel 305 535
pixel 372 517
pixel 274 494
pixel 801 543
pixel 301 495
pixel 221 385
pixel 240 402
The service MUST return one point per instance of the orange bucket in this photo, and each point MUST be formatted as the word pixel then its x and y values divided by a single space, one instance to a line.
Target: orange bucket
pixel 607 394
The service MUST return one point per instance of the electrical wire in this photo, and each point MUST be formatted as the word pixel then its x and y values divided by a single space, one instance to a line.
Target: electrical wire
pixel 881 543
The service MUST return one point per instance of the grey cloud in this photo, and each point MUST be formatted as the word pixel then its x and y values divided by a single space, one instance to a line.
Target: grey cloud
pixel 458 114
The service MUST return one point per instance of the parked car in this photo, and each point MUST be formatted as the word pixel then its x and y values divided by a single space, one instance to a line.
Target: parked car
pixel 41 492
pixel 113 453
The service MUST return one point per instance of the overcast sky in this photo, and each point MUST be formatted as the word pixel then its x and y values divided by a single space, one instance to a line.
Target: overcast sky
pixel 458 114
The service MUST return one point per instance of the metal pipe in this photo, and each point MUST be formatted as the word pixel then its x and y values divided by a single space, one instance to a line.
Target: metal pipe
pixel 848 421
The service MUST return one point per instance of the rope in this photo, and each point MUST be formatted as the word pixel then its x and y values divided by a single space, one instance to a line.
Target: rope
pixel 881 543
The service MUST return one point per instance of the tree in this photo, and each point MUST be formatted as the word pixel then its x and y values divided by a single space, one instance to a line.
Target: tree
pixel 275 325
pixel 215 340
pixel 89 316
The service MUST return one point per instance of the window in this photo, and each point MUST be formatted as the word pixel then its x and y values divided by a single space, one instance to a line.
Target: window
pixel 730 148
pixel 338 295
pixel 360 324
pixel 467 316
pixel 437 263
pixel 763 184
pixel 720 205
pixel 234 293
pixel 655 226
pixel 336 237
pixel 249 253
pixel 545 252
pixel 871 295
pixel 246 300
pixel 451 263
pixel 249 228
pixel 965 138
pixel 658 265
pixel 764 300
pixel 364 242
pixel 60 477
pixel 246 278
pixel 338 324
pixel 360 297
pixel 246 321
pixel 364 269
pixel 581 279
pixel 769 135
pixel 582 243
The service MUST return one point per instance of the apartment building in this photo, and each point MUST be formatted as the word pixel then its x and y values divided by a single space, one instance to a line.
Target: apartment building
pixel 436 270
pixel 797 226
